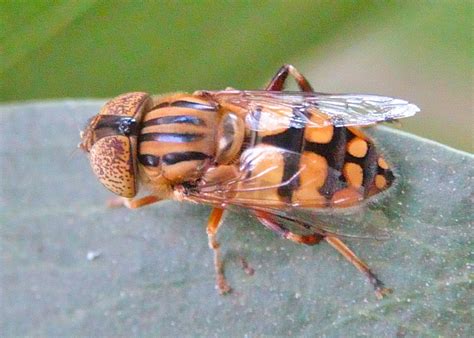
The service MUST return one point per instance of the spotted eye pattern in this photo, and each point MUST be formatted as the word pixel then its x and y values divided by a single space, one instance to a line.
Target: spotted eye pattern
pixel 129 104
pixel 111 162
pixel 112 140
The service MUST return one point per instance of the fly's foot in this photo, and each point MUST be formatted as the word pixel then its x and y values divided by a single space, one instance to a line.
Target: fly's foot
pixel 222 286
pixel 246 266
pixel 380 290
pixel 115 202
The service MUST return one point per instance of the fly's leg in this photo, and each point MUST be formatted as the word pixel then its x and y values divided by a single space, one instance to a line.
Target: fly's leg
pixel 278 81
pixel 336 243
pixel 212 227
pixel 118 202
pixel 269 221
pixel 246 266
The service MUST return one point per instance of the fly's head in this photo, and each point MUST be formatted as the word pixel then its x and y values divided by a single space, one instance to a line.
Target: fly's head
pixel 110 139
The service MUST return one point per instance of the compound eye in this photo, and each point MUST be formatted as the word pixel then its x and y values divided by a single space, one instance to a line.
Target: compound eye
pixel 111 159
pixel 129 104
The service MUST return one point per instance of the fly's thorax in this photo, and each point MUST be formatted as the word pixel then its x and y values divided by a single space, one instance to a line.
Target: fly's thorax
pixel 230 137
pixel 110 138
pixel 177 140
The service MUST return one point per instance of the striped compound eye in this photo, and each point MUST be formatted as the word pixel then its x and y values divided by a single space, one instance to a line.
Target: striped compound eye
pixel 113 138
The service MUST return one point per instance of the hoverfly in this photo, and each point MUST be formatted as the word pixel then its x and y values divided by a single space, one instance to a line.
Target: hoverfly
pixel 273 153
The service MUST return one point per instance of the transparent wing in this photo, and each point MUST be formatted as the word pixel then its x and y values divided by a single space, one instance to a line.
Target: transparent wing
pixel 268 110
pixel 286 184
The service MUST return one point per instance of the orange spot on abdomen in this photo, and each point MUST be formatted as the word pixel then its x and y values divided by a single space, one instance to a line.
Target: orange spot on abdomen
pixel 314 170
pixel 382 163
pixel 357 147
pixel 318 129
pixel 346 197
pixel 380 182
pixel 354 174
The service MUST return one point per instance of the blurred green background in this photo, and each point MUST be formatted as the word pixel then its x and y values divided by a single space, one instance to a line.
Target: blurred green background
pixel 420 51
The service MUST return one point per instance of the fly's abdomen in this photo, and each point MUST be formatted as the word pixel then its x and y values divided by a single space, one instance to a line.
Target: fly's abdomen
pixel 350 165
pixel 322 167
pixel 177 138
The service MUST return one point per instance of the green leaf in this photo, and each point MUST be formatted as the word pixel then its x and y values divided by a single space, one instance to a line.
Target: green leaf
pixel 154 275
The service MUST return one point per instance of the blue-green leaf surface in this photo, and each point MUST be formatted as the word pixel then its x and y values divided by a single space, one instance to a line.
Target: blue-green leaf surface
pixel 154 272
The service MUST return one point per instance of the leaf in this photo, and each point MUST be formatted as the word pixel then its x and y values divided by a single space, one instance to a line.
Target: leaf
pixel 153 274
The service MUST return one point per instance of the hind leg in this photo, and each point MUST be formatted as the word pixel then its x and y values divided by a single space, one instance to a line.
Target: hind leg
pixel 379 289
pixel 277 83
pixel 271 222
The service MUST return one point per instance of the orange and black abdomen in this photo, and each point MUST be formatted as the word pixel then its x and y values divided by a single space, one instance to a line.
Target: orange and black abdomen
pixel 339 166
pixel 177 138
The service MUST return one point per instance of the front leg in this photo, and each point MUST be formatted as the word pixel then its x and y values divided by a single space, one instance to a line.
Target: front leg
pixel 130 203
pixel 213 225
